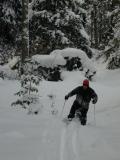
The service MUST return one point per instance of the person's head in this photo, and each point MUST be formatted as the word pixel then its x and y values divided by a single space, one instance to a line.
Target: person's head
pixel 85 83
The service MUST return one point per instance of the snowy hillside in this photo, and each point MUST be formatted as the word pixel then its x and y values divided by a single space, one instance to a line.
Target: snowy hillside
pixel 46 137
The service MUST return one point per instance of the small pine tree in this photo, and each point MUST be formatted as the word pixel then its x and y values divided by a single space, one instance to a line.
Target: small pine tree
pixel 29 98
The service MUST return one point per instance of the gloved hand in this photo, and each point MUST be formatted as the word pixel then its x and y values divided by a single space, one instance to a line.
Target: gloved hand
pixel 94 101
pixel 66 97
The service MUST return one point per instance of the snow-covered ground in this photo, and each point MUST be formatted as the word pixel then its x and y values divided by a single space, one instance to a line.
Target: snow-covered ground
pixel 46 137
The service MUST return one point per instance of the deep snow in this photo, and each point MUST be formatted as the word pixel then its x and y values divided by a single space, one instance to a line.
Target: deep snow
pixel 46 137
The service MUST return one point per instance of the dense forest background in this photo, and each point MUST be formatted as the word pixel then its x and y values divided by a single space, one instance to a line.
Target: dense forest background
pixel 40 26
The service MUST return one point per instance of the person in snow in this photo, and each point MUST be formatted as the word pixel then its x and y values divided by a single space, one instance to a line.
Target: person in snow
pixel 84 94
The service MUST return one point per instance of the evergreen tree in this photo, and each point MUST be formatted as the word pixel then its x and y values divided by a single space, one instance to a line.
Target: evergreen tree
pixel 29 98
pixel 57 24
pixel 7 21
pixel 7 31
pixel 101 23
pixel 113 49
pixel 9 28
pixel 14 27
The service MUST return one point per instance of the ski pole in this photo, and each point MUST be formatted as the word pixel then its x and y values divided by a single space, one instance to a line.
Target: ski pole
pixel 94 115
pixel 63 107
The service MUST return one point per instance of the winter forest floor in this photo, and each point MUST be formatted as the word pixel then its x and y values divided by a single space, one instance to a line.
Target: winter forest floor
pixel 46 137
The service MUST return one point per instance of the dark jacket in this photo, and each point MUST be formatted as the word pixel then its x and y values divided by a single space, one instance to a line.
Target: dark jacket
pixel 83 96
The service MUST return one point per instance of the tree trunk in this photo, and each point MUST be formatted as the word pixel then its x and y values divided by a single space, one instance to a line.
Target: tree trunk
pixel 24 34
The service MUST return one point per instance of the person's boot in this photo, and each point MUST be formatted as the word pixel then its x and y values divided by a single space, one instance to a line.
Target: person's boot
pixel 70 117
pixel 83 120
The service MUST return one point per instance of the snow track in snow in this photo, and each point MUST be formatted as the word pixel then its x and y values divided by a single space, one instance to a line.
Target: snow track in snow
pixel 62 146
pixel 75 143
pixel 69 148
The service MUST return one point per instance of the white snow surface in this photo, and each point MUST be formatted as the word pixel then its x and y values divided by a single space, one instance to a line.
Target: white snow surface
pixel 73 52
pixel 49 60
pixel 46 137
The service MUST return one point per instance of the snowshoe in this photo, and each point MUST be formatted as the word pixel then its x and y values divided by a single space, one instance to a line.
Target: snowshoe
pixel 67 120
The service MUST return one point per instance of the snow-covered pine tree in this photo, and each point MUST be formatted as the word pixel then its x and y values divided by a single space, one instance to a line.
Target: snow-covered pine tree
pixel 56 25
pixel 14 27
pixel 7 30
pixel 113 50
pixel 7 21
pixel 101 29
pixel 29 99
